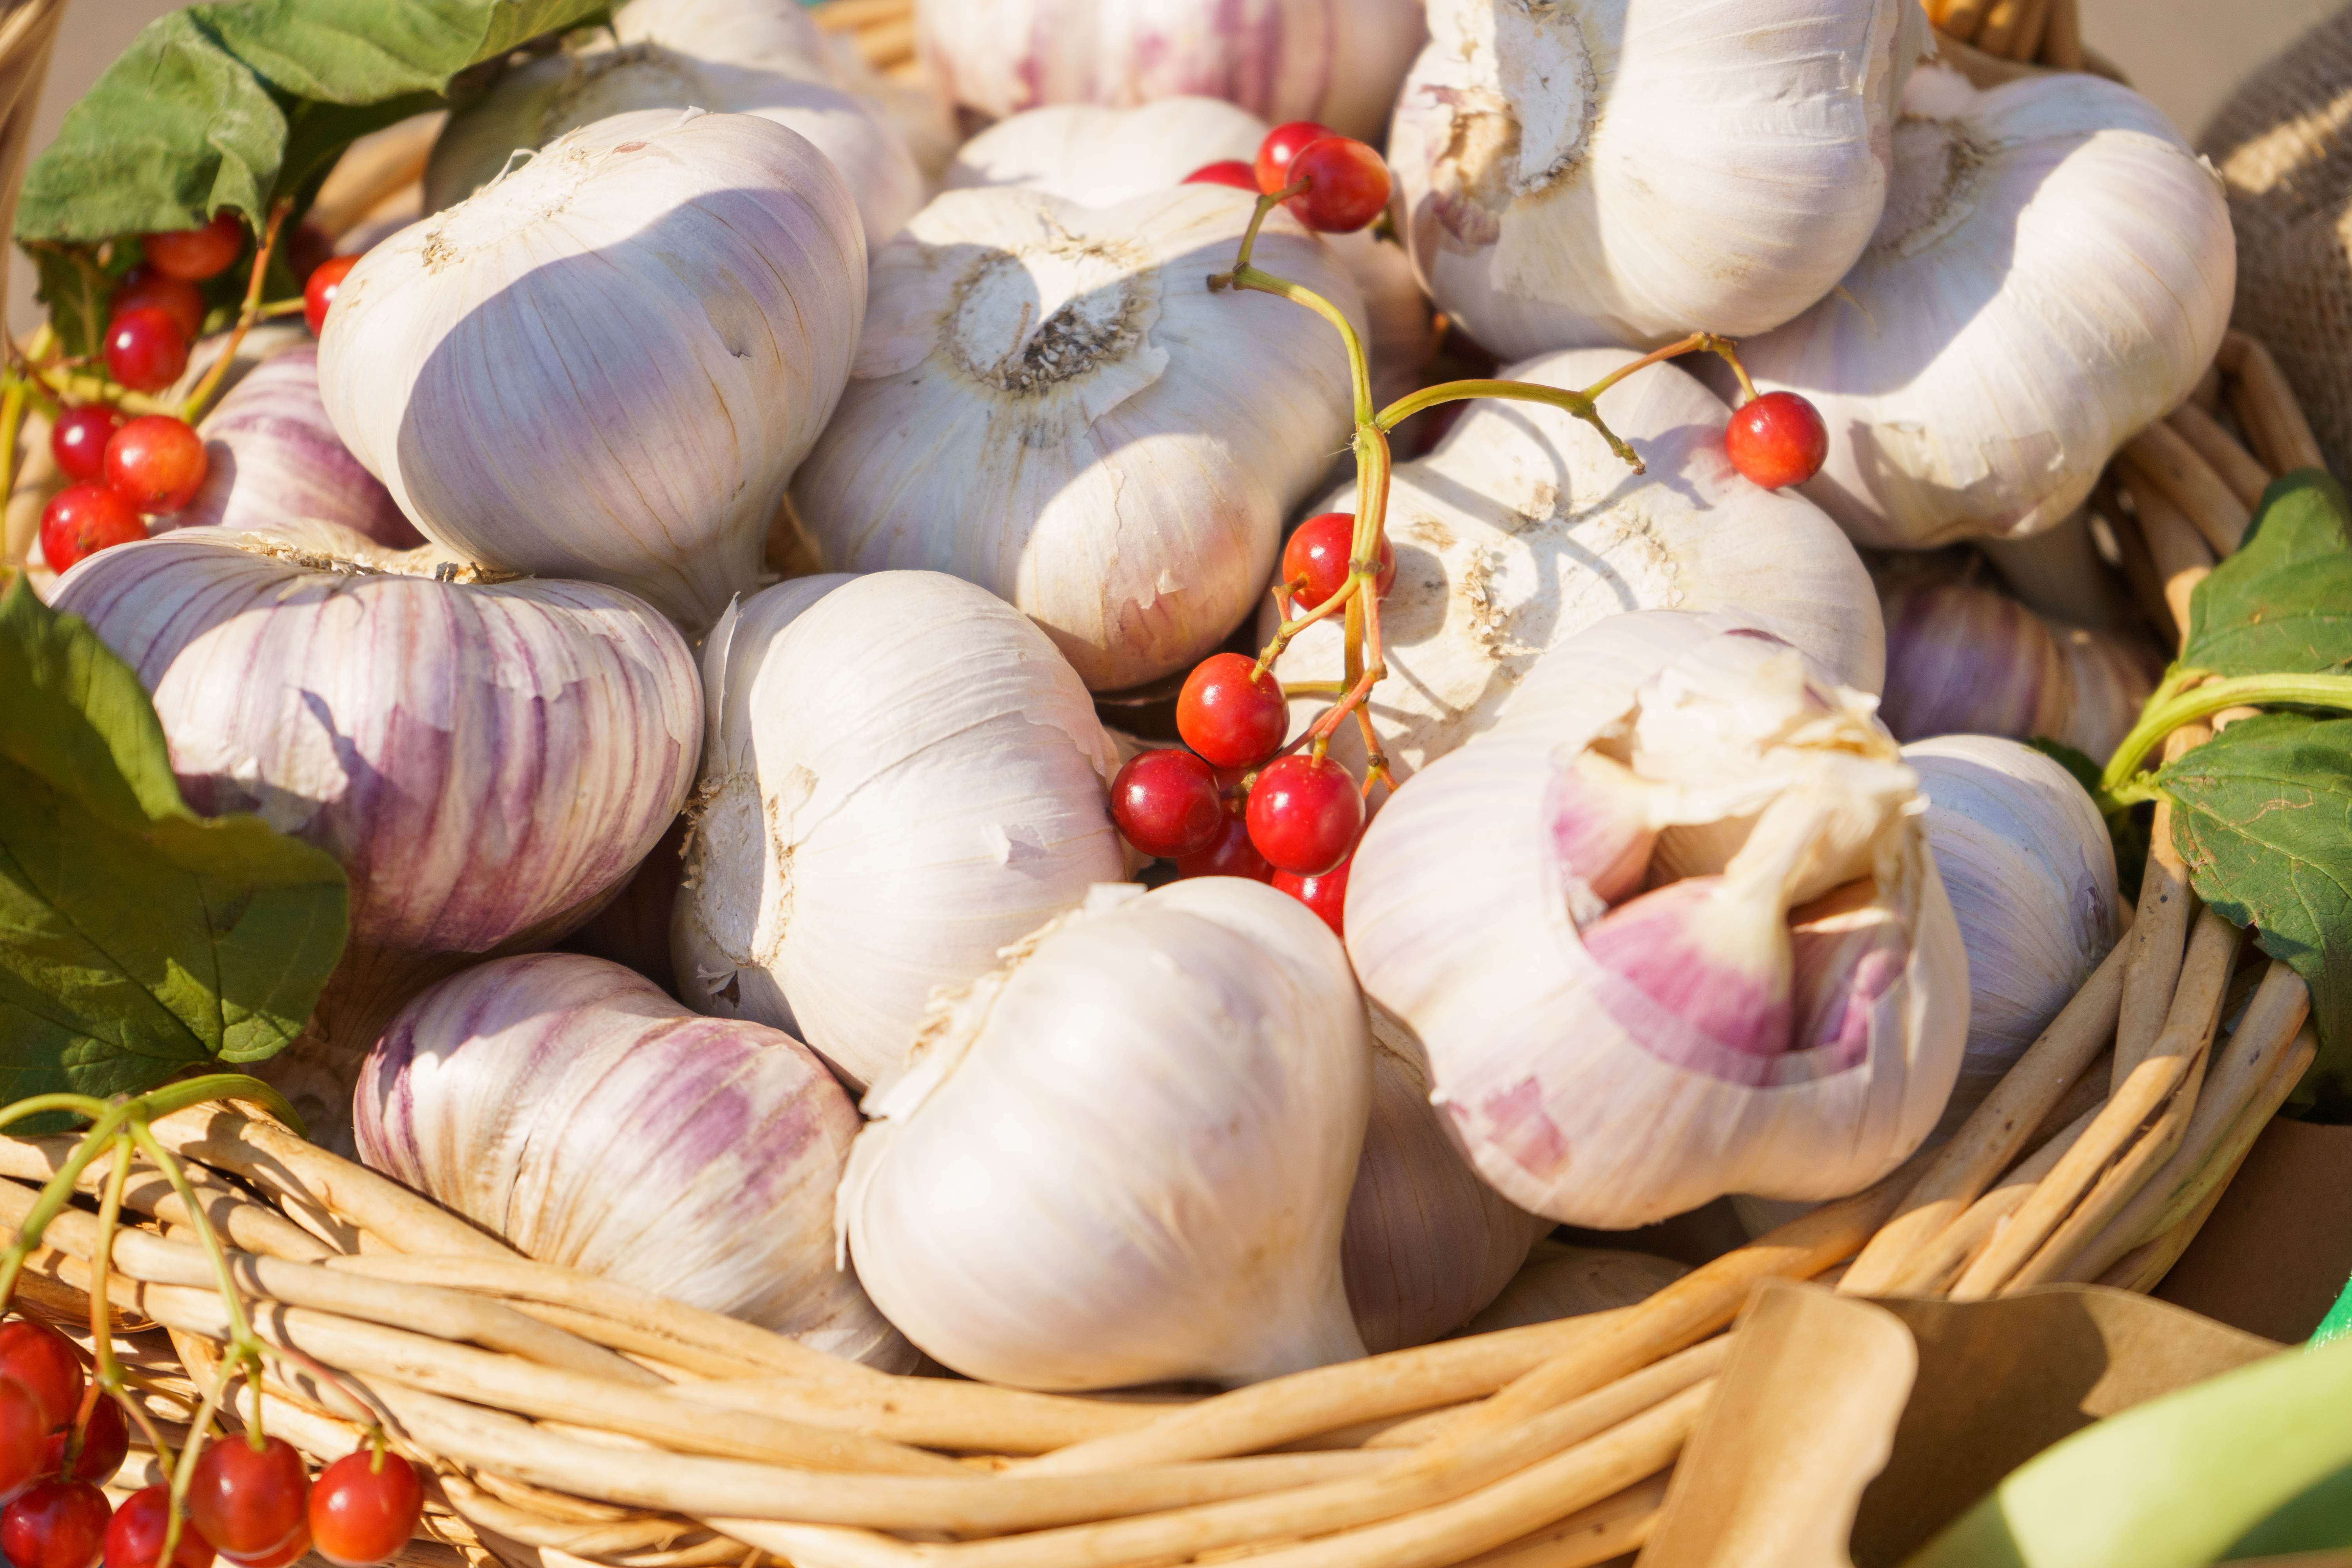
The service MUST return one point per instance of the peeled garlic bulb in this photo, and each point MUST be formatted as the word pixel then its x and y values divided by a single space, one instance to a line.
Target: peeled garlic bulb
pixel 745 57
pixel 1522 529
pixel 2030 871
pixel 1125 1157
pixel 1578 171
pixel 2053 271
pixel 1280 59
pixel 272 458
pixel 607 363
pixel 1780 1013
pixel 1049 401
pixel 1562 1282
pixel 901 777
pixel 1427 1243
pixel 570 1108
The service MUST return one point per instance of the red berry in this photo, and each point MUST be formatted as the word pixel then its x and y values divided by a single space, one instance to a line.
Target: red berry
pixel 35 1354
pixel 1166 803
pixel 156 463
pixel 104 1443
pixel 319 292
pixel 365 1508
pixel 24 1441
pixel 143 287
pixel 197 254
pixel 1776 439
pixel 1232 855
pixel 55 1524
pixel 146 349
pixel 1232 719
pixel 1230 172
pixel 1305 813
pixel 79 520
pixel 277 1556
pixel 1347 185
pixel 78 440
pixel 1327 895
pixel 309 248
pixel 135 1538
pixel 1315 562
pixel 249 1502
pixel 1281 145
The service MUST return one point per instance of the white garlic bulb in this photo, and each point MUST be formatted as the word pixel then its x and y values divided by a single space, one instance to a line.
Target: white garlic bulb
pixel 1123 1158
pixel 742 57
pixel 1672 932
pixel 1049 401
pixel 607 363
pixel 901 776
pixel 271 459
pixel 1562 1282
pixel 2030 871
pixel 570 1108
pixel 1427 1243
pixel 2053 271
pixel 1281 60
pixel 1522 529
pixel 1583 171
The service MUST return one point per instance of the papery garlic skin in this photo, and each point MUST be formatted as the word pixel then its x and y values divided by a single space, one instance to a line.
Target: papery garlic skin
pixel 1561 1282
pixel 900 777
pixel 1125 1157
pixel 1594 171
pixel 2054 271
pixel 1334 62
pixel 1048 401
pixel 571 1109
pixel 2030 871
pixel 1523 528
pixel 1710 1056
pixel 272 458
pixel 607 363
pixel 742 57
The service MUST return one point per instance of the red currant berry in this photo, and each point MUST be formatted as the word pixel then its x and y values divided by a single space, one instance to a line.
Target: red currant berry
pixel 1315 562
pixel 365 1508
pixel 277 1556
pixel 1232 855
pixel 1305 813
pixel 156 463
pixel 55 1524
pixel 35 1354
pixel 319 292
pixel 1232 719
pixel 135 1538
pixel 144 288
pixel 1166 803
pixel 1281 145
pixel 310 247
pixel 249 1500
pixel 78 440
pixel 1776 439
pixel 1327 895
pixel 146 349
pixel 1230 172
pixel 81 520
pixel 1347 185
pixel 105 1441
pixel 23 1440
pixel 197 254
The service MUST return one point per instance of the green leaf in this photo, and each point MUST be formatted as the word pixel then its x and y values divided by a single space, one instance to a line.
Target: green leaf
pixel 136 938
pixel 2126 831
pixel 76 288
pixel 365 51
pixel 2283 603
pixel 2262 816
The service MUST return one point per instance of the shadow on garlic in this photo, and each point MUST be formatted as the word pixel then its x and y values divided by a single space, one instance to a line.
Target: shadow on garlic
pixel 1562 1282
pixel 571 1110
pixel 900 777
pixel 1669 930
pixel 1523 528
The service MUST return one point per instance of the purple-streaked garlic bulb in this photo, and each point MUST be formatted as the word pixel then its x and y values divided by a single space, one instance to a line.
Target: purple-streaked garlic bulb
pixel 273 458
pixel 1670 931
pixel 567 1106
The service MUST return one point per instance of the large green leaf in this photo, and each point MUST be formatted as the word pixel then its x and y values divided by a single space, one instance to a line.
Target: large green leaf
pixel 136 938
pixel 2283 603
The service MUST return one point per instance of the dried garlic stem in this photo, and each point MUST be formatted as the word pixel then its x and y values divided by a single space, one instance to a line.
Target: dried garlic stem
pixel 2238 469
pixel 2182 557
pixel 2159 935
pixel 1935 1265
pixel 2267 406
pixel 2164 457
pixel 251 1226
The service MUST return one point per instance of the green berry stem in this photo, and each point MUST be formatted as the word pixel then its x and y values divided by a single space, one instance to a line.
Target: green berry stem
pixel 2189 695
pixel 246 315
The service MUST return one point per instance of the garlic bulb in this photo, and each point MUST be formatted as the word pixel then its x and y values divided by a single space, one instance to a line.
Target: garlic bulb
pixel 272 458
pixel 1594 171
pixel 900 777
pixel 1522 529
pixel 1427 1243
pixel 2053 271
pixel 1562 1282
pixel 607 363
pixel 1123 1158
pixel 569 1108
pixel 1671 932
pixel 2030 871
pixel 1049 401
pixel 1280 59
pixel 746 56
pixel 1102 157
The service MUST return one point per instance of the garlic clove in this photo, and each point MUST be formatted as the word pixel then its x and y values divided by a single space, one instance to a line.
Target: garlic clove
pixel 2109 678
pixel 1695 970
pixel 1965 660
pixel 1601 829
pixel 1562 1282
